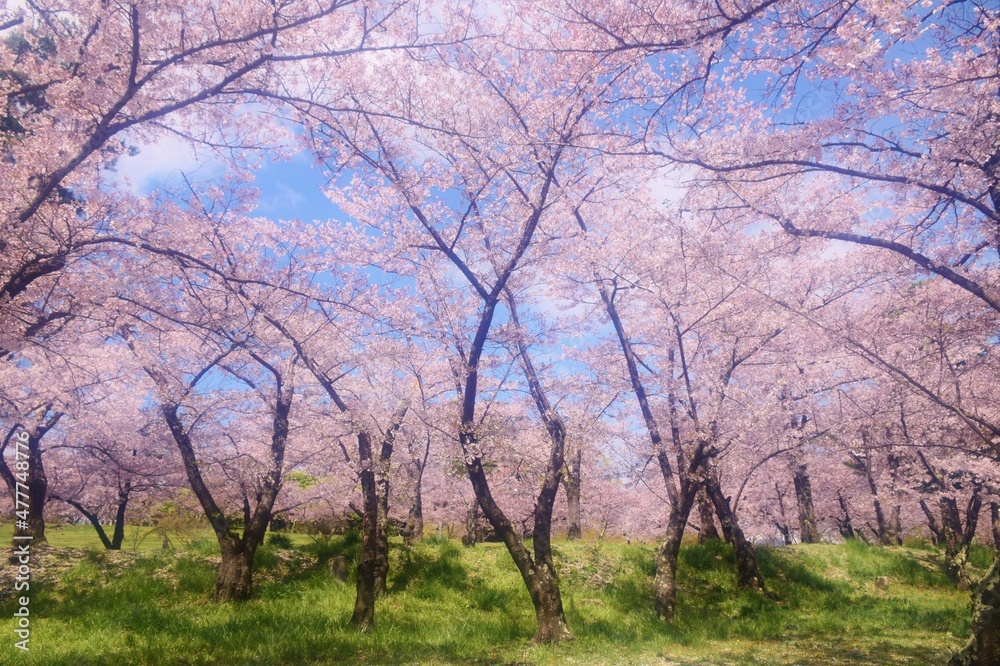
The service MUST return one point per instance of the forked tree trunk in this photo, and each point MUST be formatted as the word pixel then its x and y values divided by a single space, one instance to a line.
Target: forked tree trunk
pixel 747 571
pixel 665 580
pixel 572 483
pixel 29 485
pixel 235 577
pixel 537 569
pixel 958 538
pixel 983 646
pixel 118 535
pixel 373 562
pixel 706 514
pixel 538 572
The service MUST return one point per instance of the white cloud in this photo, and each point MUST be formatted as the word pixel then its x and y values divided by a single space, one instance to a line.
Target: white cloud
pixel 670 184
pixel 163 163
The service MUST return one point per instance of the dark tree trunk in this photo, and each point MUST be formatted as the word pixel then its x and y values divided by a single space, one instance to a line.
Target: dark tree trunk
pixel 808 531
pixel 937 536
pixel 119 533
pixel 28 486
pixel 380 486
pixel 972 510
pixel 364 603
pixel 235 576
pixel 782 525
pixel 118 536
pixel 747 571
pixel 844 525
pixel 414 530
pixel 882 530
pixel 382 534
pixel 38 485
pixel 706 514
pixel 537 569
pixel 665 581
pixel 955 548
pixel 538 573
pixel 995 524
pixel 572 483
pixel 235 579
pixel 983 647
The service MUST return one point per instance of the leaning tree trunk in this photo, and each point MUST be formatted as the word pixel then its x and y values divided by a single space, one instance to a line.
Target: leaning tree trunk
pixel 572 483
pixel 537 568
pixel 538 572
pixel 747 571
pixel 845 525
pixel 118 536
pixel 983 646
pixel 665 580
pixel 937 536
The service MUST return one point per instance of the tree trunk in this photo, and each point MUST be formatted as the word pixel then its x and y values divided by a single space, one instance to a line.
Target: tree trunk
pixel 845 525
pixel 119 534
pixel 706 512
pixel 983 647
pixel 373 563
pixel 415 518
pixel 808 532
pixel 747 571
pixel 364 603
pixel 537 569
pixel 28 486
pixel 382 534
pixel 956 551
pixel 665 581
pixel 572 483
pixel 995 523
pixel 882 531
pixel 937 536
pixel 235 578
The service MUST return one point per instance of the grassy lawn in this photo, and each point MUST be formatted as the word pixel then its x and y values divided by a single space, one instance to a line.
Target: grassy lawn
pixel 452 605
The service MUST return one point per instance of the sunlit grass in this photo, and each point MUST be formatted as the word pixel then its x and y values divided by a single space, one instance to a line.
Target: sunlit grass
pixel 449 604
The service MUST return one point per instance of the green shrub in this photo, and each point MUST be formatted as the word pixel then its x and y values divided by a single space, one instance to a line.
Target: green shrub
pixel 278 540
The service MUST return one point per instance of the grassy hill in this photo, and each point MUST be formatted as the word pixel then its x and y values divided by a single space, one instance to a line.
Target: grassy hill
pixel 453 605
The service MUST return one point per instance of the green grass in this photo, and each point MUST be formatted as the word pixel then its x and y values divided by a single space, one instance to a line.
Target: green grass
pixel 138 539
pixel 449 604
